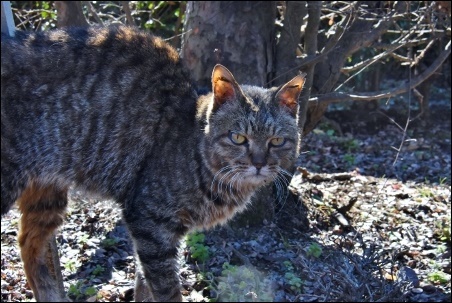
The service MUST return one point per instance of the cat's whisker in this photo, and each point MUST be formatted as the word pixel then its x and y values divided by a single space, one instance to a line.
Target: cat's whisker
pixel 279 188
pixel 284 172
pixel 219 182
pixel 226 178
pixel 225 175
pixel 230 184
pixel 223 180
pixel 237 178
pixel 282 182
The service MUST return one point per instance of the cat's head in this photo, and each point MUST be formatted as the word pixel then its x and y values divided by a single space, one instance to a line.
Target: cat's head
pixel 251 133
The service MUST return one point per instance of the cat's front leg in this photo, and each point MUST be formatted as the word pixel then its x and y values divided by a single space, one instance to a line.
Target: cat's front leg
pixel 156 247
pixel 142 292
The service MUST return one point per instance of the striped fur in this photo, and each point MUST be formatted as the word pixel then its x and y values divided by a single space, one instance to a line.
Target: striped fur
pixel 113 111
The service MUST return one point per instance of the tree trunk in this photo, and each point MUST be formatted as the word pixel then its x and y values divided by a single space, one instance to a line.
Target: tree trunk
pixel 288 42
pixel 70 13
pixel 311 48
pixel 237 34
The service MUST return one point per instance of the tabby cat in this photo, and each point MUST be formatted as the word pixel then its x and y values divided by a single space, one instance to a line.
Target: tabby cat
pixel 113 111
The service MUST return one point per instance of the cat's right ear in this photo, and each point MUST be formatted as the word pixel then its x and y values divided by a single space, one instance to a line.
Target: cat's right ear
pixel 289 93
pixel 224 86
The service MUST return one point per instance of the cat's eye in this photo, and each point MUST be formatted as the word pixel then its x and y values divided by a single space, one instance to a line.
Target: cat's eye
pixel 277 141
pixel 237 138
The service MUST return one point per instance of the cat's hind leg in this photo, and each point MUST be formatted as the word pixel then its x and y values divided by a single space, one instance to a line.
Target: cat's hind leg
pixel 43 209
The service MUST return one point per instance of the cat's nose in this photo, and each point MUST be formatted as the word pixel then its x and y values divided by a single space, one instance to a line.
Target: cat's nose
pixel 258 160
pixel 258 165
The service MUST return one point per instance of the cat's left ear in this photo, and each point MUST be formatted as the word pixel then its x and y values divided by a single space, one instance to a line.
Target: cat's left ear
pixel 288 94
pixel 224 86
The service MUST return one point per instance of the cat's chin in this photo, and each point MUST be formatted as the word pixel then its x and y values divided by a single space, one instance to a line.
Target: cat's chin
pixel 258 180
pixel 258 177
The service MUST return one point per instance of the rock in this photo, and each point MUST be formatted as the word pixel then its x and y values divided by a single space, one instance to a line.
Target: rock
pixel 407 274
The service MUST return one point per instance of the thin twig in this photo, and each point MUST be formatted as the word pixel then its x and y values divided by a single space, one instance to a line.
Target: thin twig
pixel 366 63
pixel 402 141
pixel 422 54
pixel 392 120
pixel 93 12
pixel 126 9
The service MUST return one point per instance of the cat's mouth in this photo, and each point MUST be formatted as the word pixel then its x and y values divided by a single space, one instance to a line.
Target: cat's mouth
pixel 245 175
pixel 258 175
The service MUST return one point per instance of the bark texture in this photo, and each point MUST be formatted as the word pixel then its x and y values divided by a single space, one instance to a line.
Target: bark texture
pixel 237 34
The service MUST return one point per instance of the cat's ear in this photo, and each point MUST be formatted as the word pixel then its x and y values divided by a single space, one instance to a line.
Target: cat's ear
pixel 224 86
pixel 288 94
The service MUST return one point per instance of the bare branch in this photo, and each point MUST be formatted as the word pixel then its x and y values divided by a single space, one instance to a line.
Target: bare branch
pixel 412 42
pixel 366 63
pixel 176 38
pixel 400 57
pixel 309 60
pixel 389 50
pixel 126 9
pixel 93 12
pixel 422 54
pixel 311 33
pixel 420 32
pixel 341 97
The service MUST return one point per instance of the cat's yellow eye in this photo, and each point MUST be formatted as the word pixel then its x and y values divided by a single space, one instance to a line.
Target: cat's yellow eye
pixel 277 141
pixel 237 138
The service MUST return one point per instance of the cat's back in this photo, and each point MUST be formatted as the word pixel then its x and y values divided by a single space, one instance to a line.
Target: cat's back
pixel 120 58
pixel 88 43
pixel 115 70
pixel 90 103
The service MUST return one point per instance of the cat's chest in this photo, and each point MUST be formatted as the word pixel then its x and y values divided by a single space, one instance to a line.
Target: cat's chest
pixel 210 213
